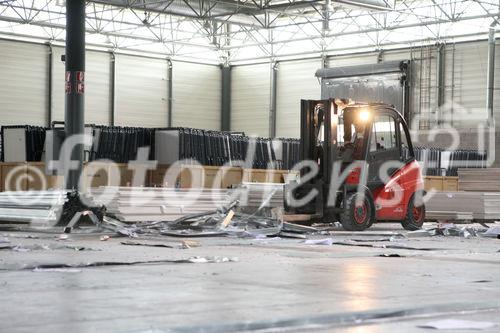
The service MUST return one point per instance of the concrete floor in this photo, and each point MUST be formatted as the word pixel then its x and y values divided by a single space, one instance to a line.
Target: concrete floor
pixel 276 285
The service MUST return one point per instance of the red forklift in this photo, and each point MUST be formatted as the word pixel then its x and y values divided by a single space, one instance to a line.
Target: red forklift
pixel 358 166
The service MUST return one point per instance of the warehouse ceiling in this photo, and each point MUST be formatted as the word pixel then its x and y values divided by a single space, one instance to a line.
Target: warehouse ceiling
pixel 231 31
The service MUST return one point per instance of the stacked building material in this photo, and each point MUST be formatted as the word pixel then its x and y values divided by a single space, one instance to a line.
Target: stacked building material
pixel 137 204
pixel 455 205
pixel 290 152
pixel 439 162
pixel 22 143
pixel 167 145
pixel 268 195
pixel 120 144
pixel 38 207
pixel 464 206
pixel 482 180
pixel 491 206
pixel 214 148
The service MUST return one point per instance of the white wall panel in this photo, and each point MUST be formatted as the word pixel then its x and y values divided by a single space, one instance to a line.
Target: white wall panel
pixel 496 94
pixel 23 91
pixel 296 81
pixel 141 92
pixel 351 60
pixel 97 87
pixel 469 82
pixel 196 95
pixel 250 99
pixel 396 55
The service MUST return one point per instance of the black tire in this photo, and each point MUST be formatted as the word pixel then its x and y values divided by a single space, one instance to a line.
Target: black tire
pixel 357 218
pixel 415 215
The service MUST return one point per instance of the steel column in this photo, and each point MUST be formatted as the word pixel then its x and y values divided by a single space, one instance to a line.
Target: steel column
pixel 169 91
pixel 274 90
pixel 440 80
pixel 75 88
pixel 490 91
pixel 49 85
pixel 491 73
pixel 226 98
pixel 112 88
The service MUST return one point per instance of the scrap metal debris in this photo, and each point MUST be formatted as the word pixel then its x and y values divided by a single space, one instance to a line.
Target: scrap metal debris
pixel 325 241
pixel 7 236
pixel 493 231
pixel 44 247
pixel 190 243
pixel 418 233
pixel 132 243
pixel 450 229
pixel 57 270
pixel 221 222
pixel 182 245
pixel 192 260
pixel 230 216
pixel 386 246
pixel 286 234
pixel 482 281
pixel 458 324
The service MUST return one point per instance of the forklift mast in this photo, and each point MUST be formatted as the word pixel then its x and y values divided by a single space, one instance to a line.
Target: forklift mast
pixel 318 136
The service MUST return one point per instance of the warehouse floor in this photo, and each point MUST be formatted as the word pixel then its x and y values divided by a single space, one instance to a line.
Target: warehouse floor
pixel 265 285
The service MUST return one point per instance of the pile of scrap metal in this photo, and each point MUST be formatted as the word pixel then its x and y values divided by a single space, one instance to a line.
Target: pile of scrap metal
pixel 225 221
pixel 267 195
pixel 173 212
pixel 465 231
pixel 251 210
pixel 139 204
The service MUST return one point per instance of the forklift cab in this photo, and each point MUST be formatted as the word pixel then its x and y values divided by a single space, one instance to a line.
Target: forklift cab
pixel 376 134
pixel 362 153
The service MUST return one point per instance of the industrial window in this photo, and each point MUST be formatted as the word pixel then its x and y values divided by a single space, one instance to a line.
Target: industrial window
pixel 383 134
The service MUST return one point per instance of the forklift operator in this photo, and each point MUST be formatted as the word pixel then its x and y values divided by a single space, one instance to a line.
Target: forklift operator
pixel 353 142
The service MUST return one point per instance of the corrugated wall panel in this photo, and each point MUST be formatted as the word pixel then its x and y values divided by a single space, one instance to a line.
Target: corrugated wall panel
pixel 423 88
pixel 250 99
pixel 141 92
pixel 97 87
pixel 196 95
pixel 469 93
pixel 351 60
pixel 396 55
pixel 496 95
pixel 23 91
pixel 296 81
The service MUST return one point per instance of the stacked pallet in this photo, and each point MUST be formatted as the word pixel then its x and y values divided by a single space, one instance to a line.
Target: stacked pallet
pixel 137 204
pixel 464 206
pixel 479 180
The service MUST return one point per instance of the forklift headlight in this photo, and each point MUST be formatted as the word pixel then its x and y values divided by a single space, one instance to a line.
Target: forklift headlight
pixel 364 115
